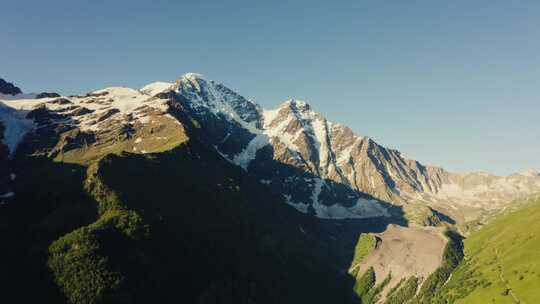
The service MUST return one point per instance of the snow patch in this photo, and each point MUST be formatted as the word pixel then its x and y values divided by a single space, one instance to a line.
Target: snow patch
pixel 194 76
pixel 319 130
pixel 16 126
pixel 302 207
pixel 124 99
pixel 244 158
pixel 269 116
pixel 363 208
pixel 156 87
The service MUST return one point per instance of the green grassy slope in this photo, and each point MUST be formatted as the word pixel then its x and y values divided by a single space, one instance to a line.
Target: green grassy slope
pixel 366 245
pixel 502 262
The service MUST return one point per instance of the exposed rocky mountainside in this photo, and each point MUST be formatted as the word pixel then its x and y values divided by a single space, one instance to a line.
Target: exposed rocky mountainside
pixel 318 167
pixel 324 168
pixel 8 88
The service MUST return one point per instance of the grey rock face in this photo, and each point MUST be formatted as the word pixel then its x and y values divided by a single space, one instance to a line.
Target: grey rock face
pixel 47 95
pixel 7 88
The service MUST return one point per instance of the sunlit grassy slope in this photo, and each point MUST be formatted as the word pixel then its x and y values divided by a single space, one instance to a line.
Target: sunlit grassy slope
pixel 502 263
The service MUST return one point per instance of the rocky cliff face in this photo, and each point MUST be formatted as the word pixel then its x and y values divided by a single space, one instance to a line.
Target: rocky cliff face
pixel 317 166
pixel 7 88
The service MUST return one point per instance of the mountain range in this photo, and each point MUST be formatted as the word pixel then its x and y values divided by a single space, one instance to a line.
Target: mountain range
pixel 152 167
pixel 319 167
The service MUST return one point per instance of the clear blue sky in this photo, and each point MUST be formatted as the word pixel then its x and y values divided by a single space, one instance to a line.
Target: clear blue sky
pixel 450 83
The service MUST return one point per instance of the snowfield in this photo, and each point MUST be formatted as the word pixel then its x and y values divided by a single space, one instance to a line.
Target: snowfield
pixel 15 124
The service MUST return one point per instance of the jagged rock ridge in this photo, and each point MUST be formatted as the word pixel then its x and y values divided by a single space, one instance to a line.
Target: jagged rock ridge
pixel 8 88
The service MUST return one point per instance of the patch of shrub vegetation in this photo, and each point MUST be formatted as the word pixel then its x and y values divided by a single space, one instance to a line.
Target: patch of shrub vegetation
pixel 365 283
pixel 373 295
pixel 365 246
pixel 92 263
pixel 396 287
pixel 405 293
pixel 367 243
pixel 469 280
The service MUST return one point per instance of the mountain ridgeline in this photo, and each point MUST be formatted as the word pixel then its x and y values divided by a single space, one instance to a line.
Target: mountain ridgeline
pixel 8 88
pixel 188 192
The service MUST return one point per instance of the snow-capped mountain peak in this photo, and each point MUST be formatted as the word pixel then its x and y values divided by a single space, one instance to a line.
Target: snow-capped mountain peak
pixel 196 82
pixel 211 98
pixel 296 104
pixel 194 76
pixel 328 166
